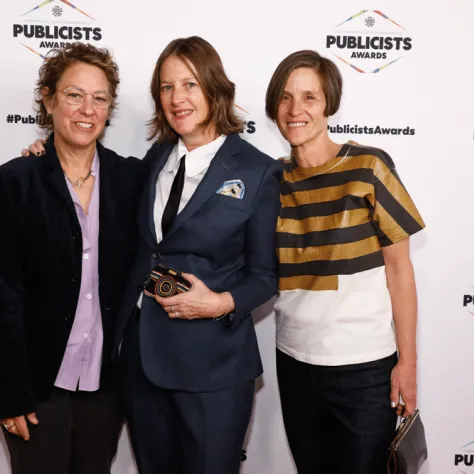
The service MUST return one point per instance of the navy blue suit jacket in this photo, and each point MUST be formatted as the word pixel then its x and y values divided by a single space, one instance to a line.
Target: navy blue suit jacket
pixel 228 243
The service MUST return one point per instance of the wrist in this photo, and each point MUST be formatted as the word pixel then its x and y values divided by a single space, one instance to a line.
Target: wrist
pixel 227 304
pixel 409 361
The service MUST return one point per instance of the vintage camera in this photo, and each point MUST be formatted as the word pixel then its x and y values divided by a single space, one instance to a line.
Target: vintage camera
pixel 165 282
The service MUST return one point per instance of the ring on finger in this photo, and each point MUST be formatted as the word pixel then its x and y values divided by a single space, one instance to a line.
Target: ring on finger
pixel 176 314
pixel 8 427
pixel 172 308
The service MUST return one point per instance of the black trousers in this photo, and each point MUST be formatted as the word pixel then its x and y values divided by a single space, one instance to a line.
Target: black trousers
pixel 78 433
pixel 338 420
pixel 176 432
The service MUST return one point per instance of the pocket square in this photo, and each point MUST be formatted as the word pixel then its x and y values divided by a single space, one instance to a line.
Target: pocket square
pixel 233 188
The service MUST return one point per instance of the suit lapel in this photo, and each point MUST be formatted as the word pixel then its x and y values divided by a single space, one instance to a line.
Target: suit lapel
pixel 57 181
pixel 156 156
pixel 219 170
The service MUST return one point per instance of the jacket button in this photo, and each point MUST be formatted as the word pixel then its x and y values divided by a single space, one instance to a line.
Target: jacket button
pixel 68 317
pixel 75 235
pixel 108 310
pixel 74 278
pixel 156 255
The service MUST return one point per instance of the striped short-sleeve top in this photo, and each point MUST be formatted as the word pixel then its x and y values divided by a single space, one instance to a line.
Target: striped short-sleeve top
pixel 333 306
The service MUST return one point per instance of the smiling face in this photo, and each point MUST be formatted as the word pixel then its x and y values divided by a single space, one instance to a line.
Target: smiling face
pixel 301 111
pixel 78 126
pixel 184 103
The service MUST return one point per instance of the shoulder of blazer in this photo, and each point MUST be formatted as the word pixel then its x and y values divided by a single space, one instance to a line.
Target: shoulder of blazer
pixel 157 150
pixel 16 176
pixel 18 167
pixel 131 166
pixel 251 156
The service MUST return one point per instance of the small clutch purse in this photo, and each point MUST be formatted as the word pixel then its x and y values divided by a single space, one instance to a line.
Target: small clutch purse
pixel 165 282
pixel 408 450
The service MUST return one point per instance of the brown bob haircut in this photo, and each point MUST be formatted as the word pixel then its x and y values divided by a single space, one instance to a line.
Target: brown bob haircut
pixel 327 71
pixel 201 57
pixel 55 65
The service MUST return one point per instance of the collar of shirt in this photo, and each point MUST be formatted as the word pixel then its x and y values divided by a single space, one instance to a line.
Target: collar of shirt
pixel 197 160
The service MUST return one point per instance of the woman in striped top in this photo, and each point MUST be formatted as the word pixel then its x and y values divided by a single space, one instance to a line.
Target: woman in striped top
pixel 347 298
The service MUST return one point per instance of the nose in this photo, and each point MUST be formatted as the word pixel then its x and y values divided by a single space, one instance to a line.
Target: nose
pixel 87 105
pixel 178 95
pixel 295 108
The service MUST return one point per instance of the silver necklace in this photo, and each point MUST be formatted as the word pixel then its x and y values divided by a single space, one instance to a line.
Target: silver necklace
pixel 79 182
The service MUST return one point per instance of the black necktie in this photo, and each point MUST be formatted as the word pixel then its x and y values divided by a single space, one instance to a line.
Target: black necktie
pixel 172 206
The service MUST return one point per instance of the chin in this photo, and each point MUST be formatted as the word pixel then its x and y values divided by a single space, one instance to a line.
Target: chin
pixel 296 141
pixel 82 142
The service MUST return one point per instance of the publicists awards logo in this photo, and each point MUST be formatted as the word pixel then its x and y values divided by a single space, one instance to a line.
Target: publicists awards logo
pixel 369 41
pixel 249 125
pixel 54 24
pixel 465 457
pixel 468 301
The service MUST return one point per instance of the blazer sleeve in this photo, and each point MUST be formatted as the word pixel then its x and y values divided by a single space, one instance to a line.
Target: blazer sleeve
pixel 261 281
pixel 16 394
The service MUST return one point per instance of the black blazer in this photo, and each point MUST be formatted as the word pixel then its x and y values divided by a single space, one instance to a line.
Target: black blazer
pixel 228 243
pixel 40 266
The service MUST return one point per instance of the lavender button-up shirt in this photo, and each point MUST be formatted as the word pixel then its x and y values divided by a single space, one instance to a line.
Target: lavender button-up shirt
pixel 81 364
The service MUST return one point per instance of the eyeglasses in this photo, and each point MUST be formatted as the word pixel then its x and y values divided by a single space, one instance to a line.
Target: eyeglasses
pixel 76 96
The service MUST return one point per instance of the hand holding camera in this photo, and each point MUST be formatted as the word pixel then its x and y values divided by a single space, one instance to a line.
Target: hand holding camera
pixel 184 296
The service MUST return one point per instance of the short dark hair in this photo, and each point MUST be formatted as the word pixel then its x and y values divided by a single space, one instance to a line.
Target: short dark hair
pixel 327 71
pixel 55 65
pixel 218 90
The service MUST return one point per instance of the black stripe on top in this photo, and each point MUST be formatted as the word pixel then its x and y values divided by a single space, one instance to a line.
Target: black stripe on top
pixel 332 267
pixel 401 216
pixel 326 237
pixel 303 211
pixel 289 165
pixel 358 150
pixel 383 238
pixel 366 175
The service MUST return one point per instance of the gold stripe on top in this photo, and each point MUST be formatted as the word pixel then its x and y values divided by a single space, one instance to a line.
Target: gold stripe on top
pixel 333 193
pixel 347 163
pixel 399 193
pixel 388 225
pixel 339 220
pixel 309 282
pixel 329 252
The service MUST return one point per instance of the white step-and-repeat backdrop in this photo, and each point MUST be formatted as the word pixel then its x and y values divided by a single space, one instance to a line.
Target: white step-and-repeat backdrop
pixel 412 95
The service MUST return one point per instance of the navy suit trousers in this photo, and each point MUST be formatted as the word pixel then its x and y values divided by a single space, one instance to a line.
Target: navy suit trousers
pixel 178 432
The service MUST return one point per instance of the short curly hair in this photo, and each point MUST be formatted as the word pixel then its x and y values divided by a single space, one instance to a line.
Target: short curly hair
pixel 55 65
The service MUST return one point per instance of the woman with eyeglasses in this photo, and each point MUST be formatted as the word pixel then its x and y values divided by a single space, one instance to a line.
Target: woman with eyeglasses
pixel 67 242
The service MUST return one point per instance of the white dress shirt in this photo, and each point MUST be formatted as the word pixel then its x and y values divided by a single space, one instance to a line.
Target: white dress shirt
pixel 197 163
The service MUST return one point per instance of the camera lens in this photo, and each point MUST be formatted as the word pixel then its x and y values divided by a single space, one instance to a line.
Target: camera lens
pixel 166 286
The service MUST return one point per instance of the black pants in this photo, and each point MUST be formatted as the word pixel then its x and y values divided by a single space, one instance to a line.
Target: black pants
pixel 176 432
pixel 78 433
pixel 338 420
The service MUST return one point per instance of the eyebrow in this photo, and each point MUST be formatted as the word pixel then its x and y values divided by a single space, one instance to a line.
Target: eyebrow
pixel 309 91
pixel 182 80
pixel 82 89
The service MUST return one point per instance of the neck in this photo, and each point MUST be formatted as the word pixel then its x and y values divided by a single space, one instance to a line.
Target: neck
pixel 75 162
pixel 191 143
pixel 317 152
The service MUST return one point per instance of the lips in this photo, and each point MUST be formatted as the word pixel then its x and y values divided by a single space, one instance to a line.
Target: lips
pixel 84 125
pixel 296 124
pixel 182 114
